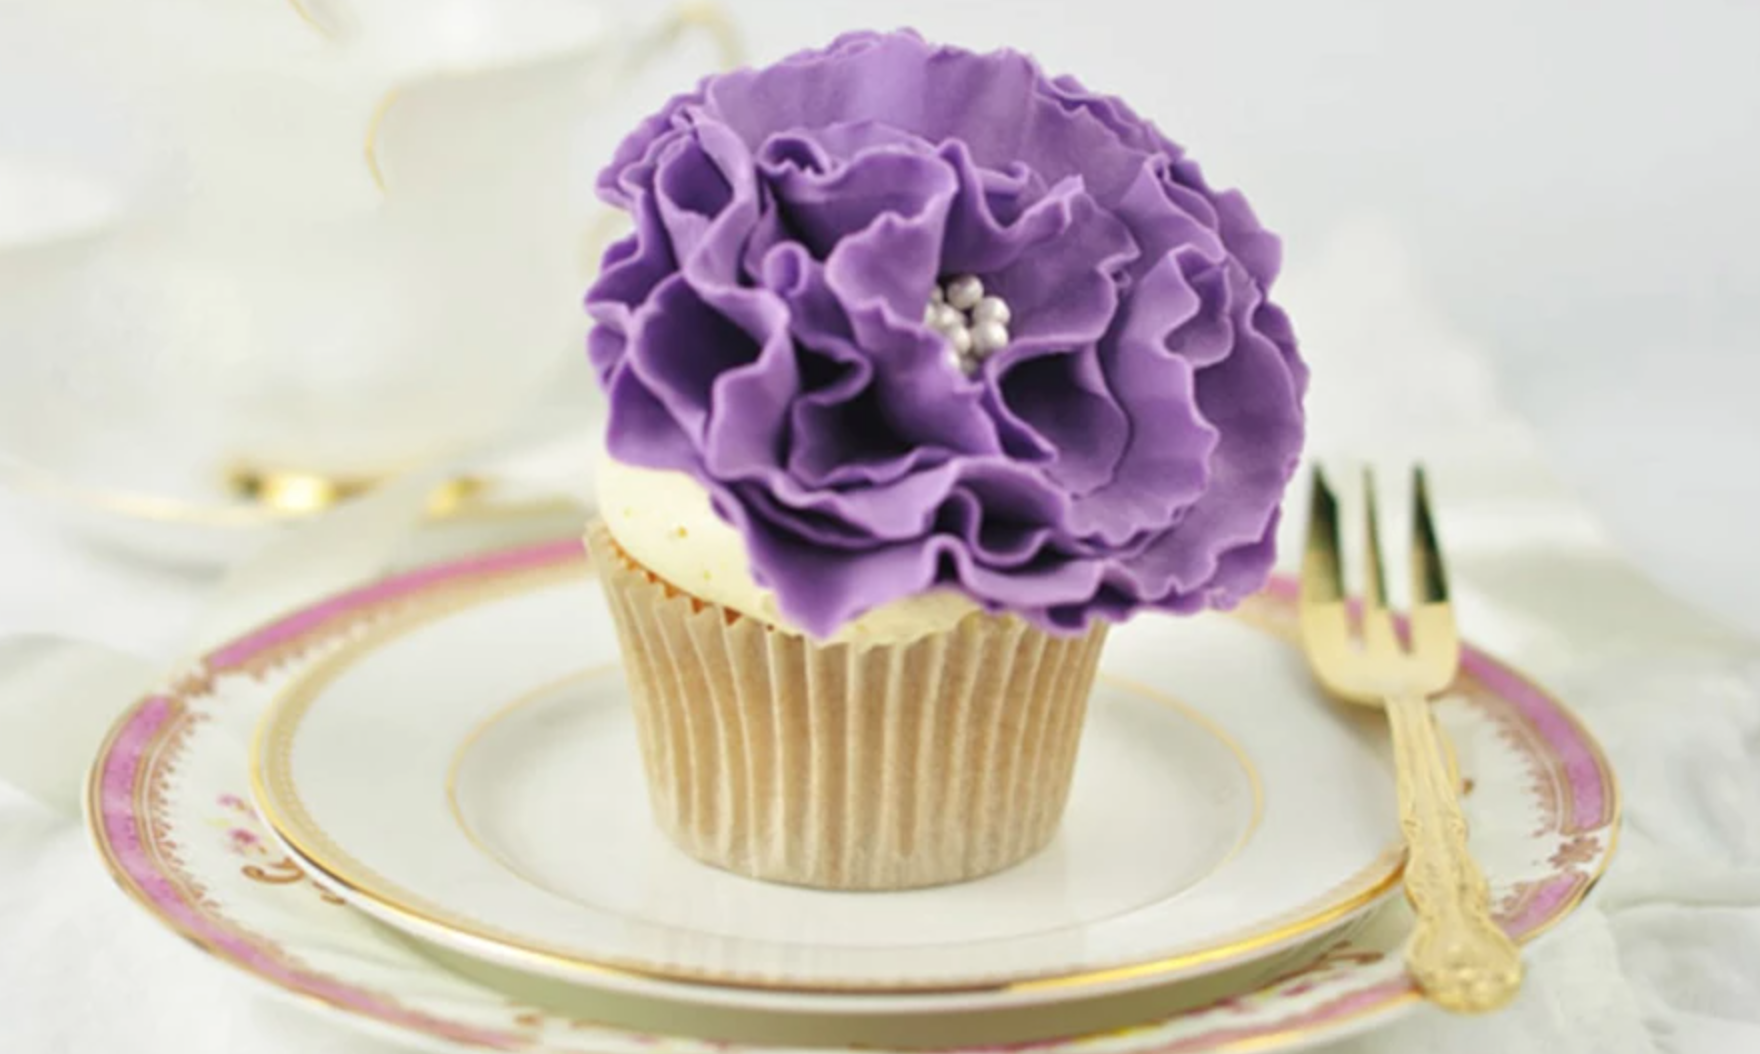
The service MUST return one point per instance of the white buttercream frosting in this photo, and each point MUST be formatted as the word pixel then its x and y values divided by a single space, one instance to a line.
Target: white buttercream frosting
pixel 663 521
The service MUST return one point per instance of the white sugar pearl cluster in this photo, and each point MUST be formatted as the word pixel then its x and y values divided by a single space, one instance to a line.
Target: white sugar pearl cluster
pixel 975 324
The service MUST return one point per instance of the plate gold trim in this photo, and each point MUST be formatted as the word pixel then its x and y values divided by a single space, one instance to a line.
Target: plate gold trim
pixel 281 806
pixel 1247 766
pixel 266 498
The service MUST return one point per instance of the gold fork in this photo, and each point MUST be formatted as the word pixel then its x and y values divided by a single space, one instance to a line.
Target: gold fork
pixel 1458 956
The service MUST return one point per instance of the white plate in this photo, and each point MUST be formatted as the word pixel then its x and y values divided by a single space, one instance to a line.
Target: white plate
pixel 167 810
pixel 459 776
pixel 187 511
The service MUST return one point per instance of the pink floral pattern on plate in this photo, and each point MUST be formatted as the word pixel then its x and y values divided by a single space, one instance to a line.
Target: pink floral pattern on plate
pixel 168 807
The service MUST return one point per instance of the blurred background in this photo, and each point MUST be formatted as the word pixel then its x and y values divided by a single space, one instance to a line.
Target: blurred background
pixel 338 239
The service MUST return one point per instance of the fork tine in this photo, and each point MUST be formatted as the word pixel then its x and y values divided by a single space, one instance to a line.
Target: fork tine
pixel 1322 574
pixel 1429 580
pixel 1378 633
pixel 1436 641
pixel 1374 578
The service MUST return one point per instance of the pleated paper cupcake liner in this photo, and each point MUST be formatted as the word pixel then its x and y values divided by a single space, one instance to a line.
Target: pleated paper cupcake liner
pixel 847 766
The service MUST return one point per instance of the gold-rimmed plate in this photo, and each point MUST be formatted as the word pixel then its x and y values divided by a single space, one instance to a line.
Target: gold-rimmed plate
pixel 198 515
pixel 167 809
pixel 472 777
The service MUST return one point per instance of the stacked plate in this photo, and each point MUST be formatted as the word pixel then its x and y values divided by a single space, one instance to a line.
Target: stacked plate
pixel 420 804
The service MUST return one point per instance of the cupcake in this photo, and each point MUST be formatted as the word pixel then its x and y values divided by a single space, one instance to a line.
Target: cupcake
pixel 924 368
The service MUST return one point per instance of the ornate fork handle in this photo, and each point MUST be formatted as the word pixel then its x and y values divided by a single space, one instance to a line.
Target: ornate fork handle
pixel 1457 954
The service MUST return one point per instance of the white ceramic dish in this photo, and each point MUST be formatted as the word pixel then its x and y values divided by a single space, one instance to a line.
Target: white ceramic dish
pixel 184 509
pixel 168 811
pixel 471 776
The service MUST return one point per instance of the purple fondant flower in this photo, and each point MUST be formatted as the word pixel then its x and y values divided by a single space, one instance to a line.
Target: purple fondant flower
pixel 777 327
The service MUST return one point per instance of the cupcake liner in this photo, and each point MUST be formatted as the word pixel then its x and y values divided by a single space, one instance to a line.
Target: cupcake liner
pixel 847 766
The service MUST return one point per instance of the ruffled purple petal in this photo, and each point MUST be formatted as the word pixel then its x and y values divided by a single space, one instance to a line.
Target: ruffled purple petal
pixel 762 330
pixel 1165 466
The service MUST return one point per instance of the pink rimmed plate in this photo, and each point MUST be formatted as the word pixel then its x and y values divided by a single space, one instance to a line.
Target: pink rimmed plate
pixel 169 810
